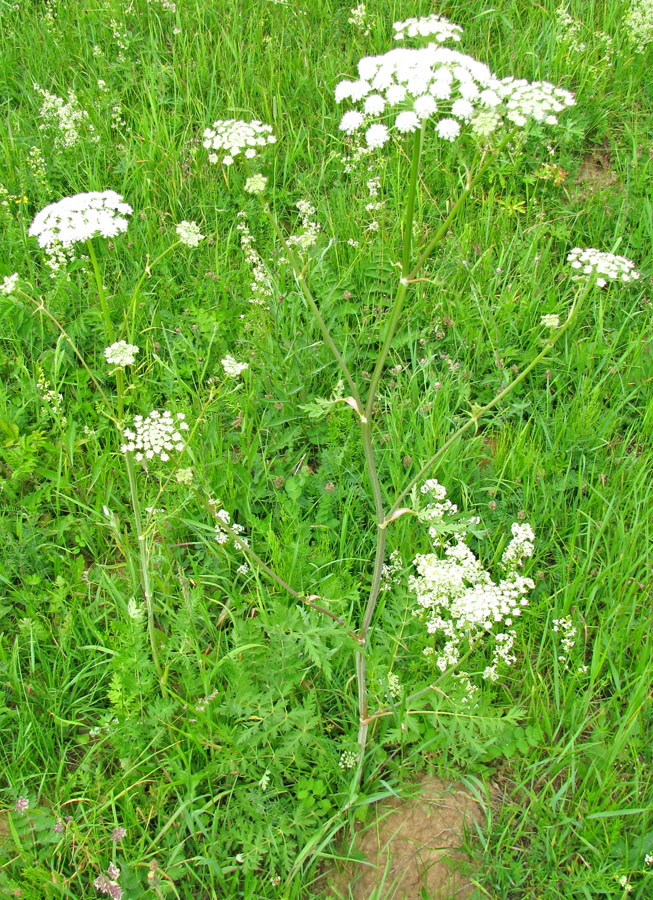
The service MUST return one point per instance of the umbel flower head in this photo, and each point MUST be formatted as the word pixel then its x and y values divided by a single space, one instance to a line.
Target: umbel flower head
pixel 233 136
pixel 437 28
pixel 155 435
pixel 121 354
pixel 79 218
pixel 608 266
pixel 405 87
pixel 189 233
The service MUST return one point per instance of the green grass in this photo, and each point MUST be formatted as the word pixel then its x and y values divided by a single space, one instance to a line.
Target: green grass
pixel 222 801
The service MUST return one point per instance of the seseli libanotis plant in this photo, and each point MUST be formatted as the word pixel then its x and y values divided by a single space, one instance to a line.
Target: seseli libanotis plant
pixel 395 99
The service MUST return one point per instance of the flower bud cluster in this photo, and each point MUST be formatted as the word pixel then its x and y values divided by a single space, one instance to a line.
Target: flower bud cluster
pixel 157 434
pixel 233 136
pixel 260 286
pixel 608 266
pixel 121 354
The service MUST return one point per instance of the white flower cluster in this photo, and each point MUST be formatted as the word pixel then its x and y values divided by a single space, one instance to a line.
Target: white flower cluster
pixel 80 218
pixel 550 320
pixel 256 184
pixel 260 286
pixel 520 547
pixel 233 136
pixel 53 401
pixel 223 522
pixel 310 228
pixel 567 631
pixel 437 28
pixel 120 353
pixel 458 600
pixel 348 759
pixel 539 100
pixel 438 508
pixel 444 85
pixel 358 18
pixel 232 368
pixel 573 33
pixel 391 571
pixel 638 24
pixel 189 233
pixel 608 266
pixel 157 434
pixel 67 119
pixel 8 284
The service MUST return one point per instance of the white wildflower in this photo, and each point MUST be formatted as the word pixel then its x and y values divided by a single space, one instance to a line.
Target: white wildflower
pixel 80 218
pixel 68 121
pixel 607 266
pixel 233 368
pixel 550 320
pixel 520 547
pixel 358 17
pixel 437 28
pixel 225 529
pixel 260 286
pixel 446 86
pixel 121 354
pixel 8 284
pixel 638 24
pixel 233 136
pixel 189 233
pixel 256 184
pixel 348 759
pixel 156 435
pixel 310 229
pixel 184 476
pixel 376 136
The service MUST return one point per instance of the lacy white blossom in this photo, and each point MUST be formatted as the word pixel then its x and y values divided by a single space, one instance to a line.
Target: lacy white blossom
pixel 451 88
pixel 121 354
pixel 358 17
pixel 8 284
pixel 157 434
pixel 457 598
pixel 68 121
pixel 260 286
pixel 79 218
pixel 310 229
pixel 233 368
pixel 608 266
pixel 233 136
pixel 189 233
pixel 550 320
pixel 437 28
pixel 520 547
pixel 638 24
pixel 539 100
pixel 256 184
pixel 225 529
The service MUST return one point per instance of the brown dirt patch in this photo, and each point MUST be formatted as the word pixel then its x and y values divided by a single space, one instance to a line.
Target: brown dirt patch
pixel 412 848
pixel 596 173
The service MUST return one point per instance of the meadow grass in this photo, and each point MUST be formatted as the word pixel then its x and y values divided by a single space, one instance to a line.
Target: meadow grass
pixel 228 782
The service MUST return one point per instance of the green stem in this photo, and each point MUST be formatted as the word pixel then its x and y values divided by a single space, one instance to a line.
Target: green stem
pixel 131 309
pixel 100 290
pixel 144 561
pixel 308 296
pixel 479 412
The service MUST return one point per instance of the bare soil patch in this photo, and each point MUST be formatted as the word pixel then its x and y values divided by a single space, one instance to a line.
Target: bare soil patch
pixel 412 848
